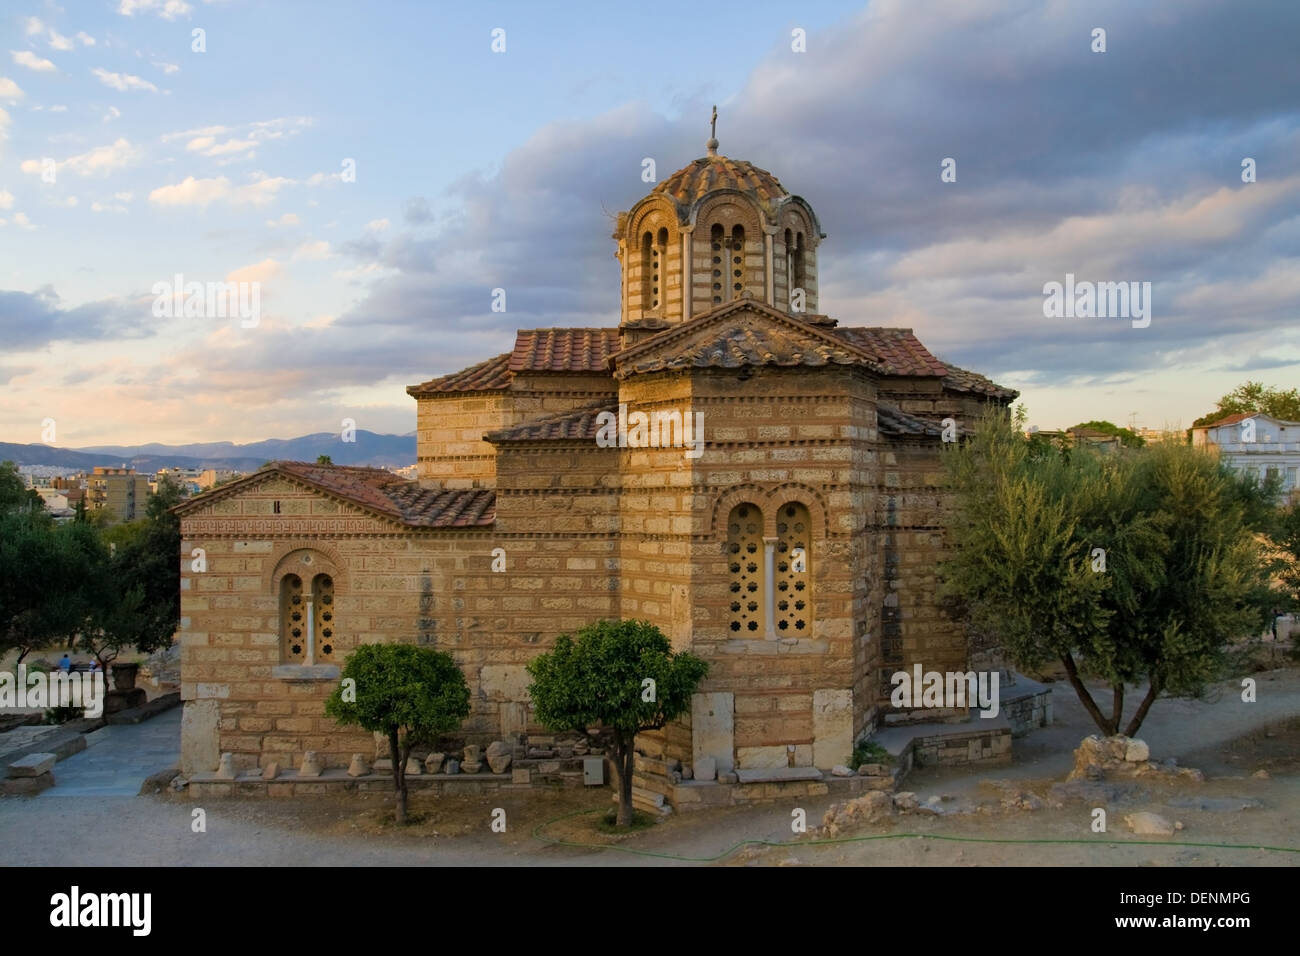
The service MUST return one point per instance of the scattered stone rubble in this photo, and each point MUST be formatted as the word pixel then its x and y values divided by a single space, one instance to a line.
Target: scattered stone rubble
pixel 1099 758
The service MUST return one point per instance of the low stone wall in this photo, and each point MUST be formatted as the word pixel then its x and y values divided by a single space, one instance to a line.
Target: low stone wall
pixel 958 748
pixel 1028 712
pixel 550 774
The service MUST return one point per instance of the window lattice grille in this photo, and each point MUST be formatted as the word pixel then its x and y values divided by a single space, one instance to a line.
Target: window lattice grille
pixel 745 569
pixel 793 590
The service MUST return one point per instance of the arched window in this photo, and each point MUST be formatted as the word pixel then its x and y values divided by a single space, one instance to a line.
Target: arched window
pixel 800 277
pixel 789 267
pixel 307 620
pixel 737 260
pixel 648 270
pixel 793 571
pixel 659 267
pixel 322 593
pixel 745 571
pixel 717 239
pixel 293 620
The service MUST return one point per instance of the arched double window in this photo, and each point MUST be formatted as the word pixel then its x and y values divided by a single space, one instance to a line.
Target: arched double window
pixel 769 579
pixel 795 268
pixel 307 625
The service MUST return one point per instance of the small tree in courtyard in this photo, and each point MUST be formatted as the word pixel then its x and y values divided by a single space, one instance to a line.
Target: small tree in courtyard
pixel 410 694
pixel 621 675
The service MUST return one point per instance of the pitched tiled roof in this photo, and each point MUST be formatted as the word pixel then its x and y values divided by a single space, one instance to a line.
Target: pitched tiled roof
pixel 378 491
pixel 748 345
pixel 900 352
pixel 577 425
pixel 563 350
pixel 1229 420
pixel 962 380
pixel 485 376
pixel 691 183
pixel 893 421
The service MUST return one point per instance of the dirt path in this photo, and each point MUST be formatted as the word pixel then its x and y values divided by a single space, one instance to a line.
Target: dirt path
pixel 1227 739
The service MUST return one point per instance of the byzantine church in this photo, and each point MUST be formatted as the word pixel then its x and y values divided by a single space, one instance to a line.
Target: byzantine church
pixel 783 521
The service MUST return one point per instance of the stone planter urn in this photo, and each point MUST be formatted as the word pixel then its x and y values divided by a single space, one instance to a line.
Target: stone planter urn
pixel 124 676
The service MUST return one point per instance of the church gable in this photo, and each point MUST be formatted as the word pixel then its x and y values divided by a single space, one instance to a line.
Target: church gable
pixel 299 498
pixel 741 333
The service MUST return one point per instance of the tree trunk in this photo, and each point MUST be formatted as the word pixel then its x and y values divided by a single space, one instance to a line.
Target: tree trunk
pixel 1117 704
pixel 399 775
pixel 1085 698
pixel 1152 693
pixel 624 757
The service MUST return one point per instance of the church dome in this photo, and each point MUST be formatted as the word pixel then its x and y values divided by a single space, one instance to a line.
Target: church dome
pixel 710 174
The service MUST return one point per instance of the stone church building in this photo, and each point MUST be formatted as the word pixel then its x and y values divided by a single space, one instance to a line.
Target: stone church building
pixel 757 479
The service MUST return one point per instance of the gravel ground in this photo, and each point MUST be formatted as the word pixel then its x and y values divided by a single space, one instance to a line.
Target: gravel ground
pixel 1221 735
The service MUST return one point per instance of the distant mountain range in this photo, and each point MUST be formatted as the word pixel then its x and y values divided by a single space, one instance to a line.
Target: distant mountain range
pixel 370 448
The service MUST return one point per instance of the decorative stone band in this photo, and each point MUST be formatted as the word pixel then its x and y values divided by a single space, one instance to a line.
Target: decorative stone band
pixel 304 672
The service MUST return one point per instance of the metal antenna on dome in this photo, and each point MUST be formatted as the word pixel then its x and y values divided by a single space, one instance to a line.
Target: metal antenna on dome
pixel 712 144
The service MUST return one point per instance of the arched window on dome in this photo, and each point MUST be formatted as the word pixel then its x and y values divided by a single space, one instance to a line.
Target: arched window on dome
pixel 737 260
pixel 717 239
pixel 659 268
pixel 647 271
pixel 798 268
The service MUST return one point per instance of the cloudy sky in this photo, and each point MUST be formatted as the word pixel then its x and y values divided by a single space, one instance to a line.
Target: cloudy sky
pixel 477 170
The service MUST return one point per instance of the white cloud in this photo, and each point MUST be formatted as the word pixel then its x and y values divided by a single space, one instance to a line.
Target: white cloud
pixel 58 108
pixel 124 197
pixel 122 81
pixel 85 39
pixel 167 9
pixel 208 146
pixel 112 114
pixel 9 90
pixel 258 272
pixel 97 162
pixel 21 220
pixel 288 219
pixel 33 62
pixel 377 225
pixel 6 199
pixel 70 202
pixel 33 26
pixel 107 207
pixel 202 192
pixel 313 250
pixel 168 68
pixel 4 128
pixel 59 42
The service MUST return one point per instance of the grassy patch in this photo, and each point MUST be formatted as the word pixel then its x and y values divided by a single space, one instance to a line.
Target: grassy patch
pixel 640 821
pixel 869 752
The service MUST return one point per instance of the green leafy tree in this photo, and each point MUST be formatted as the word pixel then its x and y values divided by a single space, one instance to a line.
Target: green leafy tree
pixel 621 675
pixel 14 493
pixel 410 694
pixel 44 572
pixel 135 586
pixel 1127 437
pixel 1132 568
pixel 324 460
pixel 1256 397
